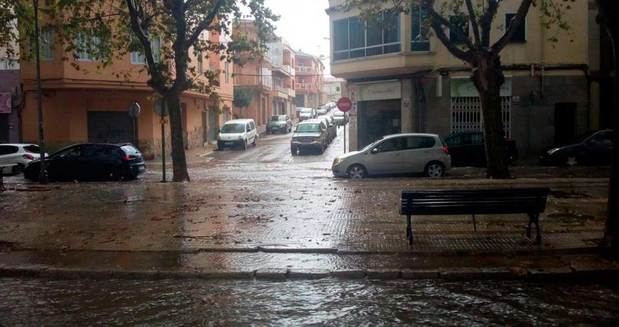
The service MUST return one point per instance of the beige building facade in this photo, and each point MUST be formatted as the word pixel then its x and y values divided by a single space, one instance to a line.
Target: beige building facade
pixel 402 79
pixel 90 104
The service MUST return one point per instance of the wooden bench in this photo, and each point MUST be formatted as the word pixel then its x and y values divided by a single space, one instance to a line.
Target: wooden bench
pixel 530 201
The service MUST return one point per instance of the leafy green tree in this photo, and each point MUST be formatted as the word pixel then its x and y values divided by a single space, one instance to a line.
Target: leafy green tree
pixel 242 97
pixel 178 27
pixel 482 55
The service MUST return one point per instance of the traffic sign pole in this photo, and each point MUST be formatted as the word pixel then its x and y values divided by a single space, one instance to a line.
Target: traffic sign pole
pixel 344 104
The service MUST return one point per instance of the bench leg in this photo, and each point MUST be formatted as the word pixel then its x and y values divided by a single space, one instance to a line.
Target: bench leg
pixel 534 219
pixel 409 230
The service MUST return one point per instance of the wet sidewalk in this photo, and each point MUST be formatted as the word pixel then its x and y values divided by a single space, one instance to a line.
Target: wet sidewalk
pixel 257 226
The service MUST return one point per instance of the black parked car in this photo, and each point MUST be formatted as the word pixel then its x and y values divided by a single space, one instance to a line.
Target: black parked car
pixel 88 162
pixel 467 149
pixel 592 149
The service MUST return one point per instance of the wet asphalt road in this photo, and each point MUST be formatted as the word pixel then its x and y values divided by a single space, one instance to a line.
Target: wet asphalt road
pixel 331 302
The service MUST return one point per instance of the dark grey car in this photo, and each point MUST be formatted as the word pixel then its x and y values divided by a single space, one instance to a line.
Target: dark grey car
pixel 309 135
pixel 279 124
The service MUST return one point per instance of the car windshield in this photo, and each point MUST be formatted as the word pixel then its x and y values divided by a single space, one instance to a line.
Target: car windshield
pixel 308 128
pixel 233 128
pixel 306 110
pixel 278 118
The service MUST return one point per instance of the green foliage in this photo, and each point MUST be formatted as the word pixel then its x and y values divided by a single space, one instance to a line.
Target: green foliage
pixel 242 97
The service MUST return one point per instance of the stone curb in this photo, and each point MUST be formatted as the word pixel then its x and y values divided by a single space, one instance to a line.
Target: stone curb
pixel 278 274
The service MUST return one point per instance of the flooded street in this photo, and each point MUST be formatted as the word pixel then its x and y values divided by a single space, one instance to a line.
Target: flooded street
pixel 294 303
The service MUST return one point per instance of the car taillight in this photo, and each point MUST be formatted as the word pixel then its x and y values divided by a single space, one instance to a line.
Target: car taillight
pixel 28 156
pixel 446 149
pixel 127 158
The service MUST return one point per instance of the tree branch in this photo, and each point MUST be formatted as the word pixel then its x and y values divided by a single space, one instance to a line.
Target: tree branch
pixel 442 21
pixel 473 19
pixel 138 30
pixel 515 24
pixel 486 22
pixel 204 24
pixel 437 25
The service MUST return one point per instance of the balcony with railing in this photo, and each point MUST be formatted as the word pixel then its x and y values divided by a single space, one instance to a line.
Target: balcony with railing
pixel 304 70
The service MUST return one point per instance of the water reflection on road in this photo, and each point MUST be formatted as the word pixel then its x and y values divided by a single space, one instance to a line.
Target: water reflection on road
pixel 329 301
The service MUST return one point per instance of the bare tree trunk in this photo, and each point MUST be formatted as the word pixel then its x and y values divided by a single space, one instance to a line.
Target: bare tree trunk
pixel 179 163
pixel 612 223
pixel 488 78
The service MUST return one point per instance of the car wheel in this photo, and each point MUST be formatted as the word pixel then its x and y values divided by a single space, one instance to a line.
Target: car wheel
pixel 255 142
pixel 571 161
pixel 244 145
pixel 293 150
pixel 435 169
pixel 357 172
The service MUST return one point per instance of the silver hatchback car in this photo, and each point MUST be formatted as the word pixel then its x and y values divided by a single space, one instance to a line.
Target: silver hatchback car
pixel 396 154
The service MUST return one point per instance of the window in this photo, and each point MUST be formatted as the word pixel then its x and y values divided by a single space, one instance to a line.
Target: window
pixel 138 58
pixel 458 29
pixel 47 43
pixel 419 142
pixel 394 144
pixel 8 149
pixel 520 34
pixel 227 72
pixel 200 62
pixel 420 29
pixel 85 44
pixel 32 148
pixel 355 38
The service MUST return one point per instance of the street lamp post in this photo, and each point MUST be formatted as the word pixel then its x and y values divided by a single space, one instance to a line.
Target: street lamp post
pixel 42 171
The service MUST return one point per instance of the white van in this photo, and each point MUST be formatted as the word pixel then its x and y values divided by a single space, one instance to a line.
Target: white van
pixel 237 133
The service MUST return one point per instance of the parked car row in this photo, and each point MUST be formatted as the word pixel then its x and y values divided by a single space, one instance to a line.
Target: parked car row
pixel 313 135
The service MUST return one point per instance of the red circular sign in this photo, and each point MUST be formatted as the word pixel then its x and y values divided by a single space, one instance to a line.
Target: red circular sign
pixel 344 104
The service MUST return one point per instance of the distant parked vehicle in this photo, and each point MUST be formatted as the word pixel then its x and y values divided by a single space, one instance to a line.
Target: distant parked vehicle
pixel 17 156
pixel 237 133
pixel 340 118
pixel 396 154
pixel 591 149
pixel 307 113
pixel 89 162
pixel 331 128
pixel 467 149
pixel 311 134
pixel 322 110
pixel 280 124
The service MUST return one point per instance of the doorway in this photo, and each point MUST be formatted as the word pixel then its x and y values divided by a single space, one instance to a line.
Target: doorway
pixel 565 122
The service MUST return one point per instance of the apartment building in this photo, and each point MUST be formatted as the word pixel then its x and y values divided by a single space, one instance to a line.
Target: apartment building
pixel 402 79
pixel 282 62
pixel 332 89
pixel 253 79
pixel 90 104
pixel 309 80
pixel 10 98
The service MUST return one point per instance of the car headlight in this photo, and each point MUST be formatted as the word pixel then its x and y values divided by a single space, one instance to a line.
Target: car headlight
pixel 337 161
pixel 551 151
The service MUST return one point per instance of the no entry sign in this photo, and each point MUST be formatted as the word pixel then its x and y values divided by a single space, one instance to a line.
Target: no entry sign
pixel 344 104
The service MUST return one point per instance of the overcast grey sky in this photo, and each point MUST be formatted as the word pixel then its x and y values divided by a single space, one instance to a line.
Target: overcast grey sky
pixel 304 24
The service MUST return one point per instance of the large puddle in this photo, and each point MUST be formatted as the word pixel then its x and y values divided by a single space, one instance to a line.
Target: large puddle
pixel 329 301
